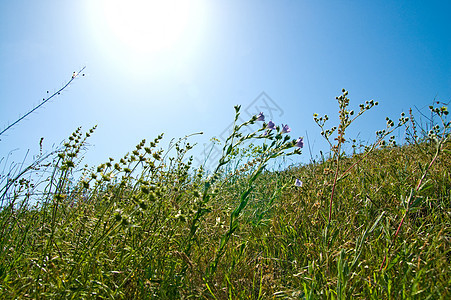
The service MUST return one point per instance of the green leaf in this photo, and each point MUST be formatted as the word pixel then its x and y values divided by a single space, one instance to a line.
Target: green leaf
pixel 376 222
pixel 425 186
pixel 229 150
pixel 393 262
pixel 416 203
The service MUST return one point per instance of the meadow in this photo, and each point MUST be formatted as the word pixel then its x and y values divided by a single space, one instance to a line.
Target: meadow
pixel 366 221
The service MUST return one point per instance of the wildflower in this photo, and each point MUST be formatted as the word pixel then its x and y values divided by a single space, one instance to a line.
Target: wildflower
pixel 298 182
pixel 260 117
pixel 300 142
pixel 271 125
pixel 285 128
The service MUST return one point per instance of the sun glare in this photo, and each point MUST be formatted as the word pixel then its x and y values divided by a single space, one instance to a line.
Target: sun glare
pixel 146 26
pixel 142 36
pixel 142 26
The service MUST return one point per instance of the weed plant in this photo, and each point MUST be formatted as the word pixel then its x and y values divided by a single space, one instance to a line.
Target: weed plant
pixel 374 224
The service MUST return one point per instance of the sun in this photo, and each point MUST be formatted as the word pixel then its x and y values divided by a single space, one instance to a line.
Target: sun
pixel 146 26
pixel 142 26
pixel 142 40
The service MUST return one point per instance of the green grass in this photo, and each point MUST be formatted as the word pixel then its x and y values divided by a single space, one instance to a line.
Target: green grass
pixel 370 225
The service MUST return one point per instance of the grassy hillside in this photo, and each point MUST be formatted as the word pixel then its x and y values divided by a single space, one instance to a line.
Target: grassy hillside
pixel 372 225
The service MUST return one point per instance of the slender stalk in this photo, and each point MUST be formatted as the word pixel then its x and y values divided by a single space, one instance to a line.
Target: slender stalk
pixel 43 102
pixel 334 185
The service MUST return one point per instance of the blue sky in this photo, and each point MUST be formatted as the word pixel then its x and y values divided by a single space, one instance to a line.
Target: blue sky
pixel 180 69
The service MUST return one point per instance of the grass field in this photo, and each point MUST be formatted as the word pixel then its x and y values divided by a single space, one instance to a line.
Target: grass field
pixel 371 224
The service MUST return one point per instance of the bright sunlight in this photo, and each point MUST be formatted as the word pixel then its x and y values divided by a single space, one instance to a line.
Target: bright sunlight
pixel 146 26
pixel 136 36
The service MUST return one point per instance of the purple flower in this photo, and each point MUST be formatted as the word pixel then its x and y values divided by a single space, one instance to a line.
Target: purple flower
pixel 300 142
pixel 297 182
pixel 271 125
pixel 260 117
pixel 285 128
